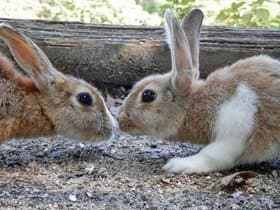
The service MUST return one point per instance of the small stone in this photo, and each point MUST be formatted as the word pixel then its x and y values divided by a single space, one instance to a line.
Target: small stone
pixel 239 197
pixel 160 191
pixel 131 185
pixel 122 89
pixel 90 169
pixel 155 156
pixel 73 198
pixel 13 160
pixel 165 180
pixel 236 194
pixel 56 154
pixel 239 180
pixel 274 174
pixel 40 154
pixel 45 195
pixel 235 206
pixel 89 194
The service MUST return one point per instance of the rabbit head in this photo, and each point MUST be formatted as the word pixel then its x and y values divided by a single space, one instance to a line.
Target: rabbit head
pixel 156 104
pixel 73 107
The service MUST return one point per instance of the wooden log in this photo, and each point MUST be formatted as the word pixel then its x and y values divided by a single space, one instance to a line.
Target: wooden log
pixel 121 55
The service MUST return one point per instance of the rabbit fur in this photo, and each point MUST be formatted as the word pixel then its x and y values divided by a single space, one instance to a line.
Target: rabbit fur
pixel 44 101
pixel 235 112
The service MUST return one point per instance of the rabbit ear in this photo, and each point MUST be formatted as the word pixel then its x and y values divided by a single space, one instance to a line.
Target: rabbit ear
pixel 191 25
pixel 181 58
pixel 31 58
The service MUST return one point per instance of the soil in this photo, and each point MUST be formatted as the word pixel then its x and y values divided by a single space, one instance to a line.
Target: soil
pixel 125 173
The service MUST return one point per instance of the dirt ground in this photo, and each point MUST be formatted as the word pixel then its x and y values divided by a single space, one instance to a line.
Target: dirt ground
pixel 57 173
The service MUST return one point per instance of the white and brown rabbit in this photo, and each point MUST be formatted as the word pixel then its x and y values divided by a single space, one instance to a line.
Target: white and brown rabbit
pixel 235 112
pixel 46 102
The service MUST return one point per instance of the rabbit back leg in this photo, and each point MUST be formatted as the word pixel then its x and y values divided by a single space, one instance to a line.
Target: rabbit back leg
pixel 234 125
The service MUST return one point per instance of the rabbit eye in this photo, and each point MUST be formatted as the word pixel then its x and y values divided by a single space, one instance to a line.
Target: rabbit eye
pixel 85 98
pixel 148 96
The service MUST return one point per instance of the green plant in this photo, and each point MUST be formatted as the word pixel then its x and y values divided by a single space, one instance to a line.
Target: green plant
pixel 125 12
pixel 256 13
pixel 180 7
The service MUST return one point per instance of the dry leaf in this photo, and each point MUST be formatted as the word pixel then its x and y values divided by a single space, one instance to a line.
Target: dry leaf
pixel 237 178
pixel 165 180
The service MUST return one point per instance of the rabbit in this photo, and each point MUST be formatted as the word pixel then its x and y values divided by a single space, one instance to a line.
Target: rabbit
pixel 44 101
pixel 234 112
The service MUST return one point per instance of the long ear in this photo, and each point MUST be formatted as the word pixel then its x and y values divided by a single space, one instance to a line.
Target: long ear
pixel 181 58
pixel 191 25
pixel 31 58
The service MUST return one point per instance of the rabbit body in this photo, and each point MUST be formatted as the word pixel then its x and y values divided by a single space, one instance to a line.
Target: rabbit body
pixel 234 112
pixel 237 107
pixel 20 111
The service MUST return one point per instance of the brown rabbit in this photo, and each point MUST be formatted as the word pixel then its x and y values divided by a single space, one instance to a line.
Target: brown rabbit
pixel 235 112
pixel 46 102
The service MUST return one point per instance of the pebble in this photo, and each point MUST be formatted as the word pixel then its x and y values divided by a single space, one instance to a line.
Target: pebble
pixel 165 180
pixel 73 197
pixel 89 194
pixel 239 197
pixel 56 154
pixel 274 174
pixel 90 169
pixel 235 206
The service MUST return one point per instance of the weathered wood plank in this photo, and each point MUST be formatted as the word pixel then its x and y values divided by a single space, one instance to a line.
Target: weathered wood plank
pixel 121 55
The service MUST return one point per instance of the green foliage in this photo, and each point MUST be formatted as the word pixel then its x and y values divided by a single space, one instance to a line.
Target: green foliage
pixel 151 6
pixel 180 7
pixel 256 13
pixel 240 13
pixel 124 12
pixel 237 13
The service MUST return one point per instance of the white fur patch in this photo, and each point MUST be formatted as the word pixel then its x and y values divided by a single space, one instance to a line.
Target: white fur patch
pixel 236 116
pixel 234 124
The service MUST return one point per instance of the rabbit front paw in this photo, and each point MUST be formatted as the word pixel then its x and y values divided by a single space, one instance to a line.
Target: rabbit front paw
pixel 192 164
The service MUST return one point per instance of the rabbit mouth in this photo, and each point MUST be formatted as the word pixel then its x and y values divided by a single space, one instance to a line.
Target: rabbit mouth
pixel 129 127
pixel 107 130
pixel 125 123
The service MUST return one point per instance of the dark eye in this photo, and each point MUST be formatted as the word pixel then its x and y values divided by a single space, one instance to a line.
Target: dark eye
pixel 148 96
pixel 85 99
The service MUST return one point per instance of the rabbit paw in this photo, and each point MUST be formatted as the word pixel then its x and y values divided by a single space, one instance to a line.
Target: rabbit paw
pixel 188 165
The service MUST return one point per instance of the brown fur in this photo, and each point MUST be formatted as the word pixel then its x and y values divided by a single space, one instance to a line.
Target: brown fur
pixel 8 69
pixel 21 114
pixel 200 108
pixel 191 115
pixel 21 47
pixel 45 102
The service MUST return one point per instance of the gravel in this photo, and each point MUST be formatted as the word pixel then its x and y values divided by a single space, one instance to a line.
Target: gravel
pixel 57 173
